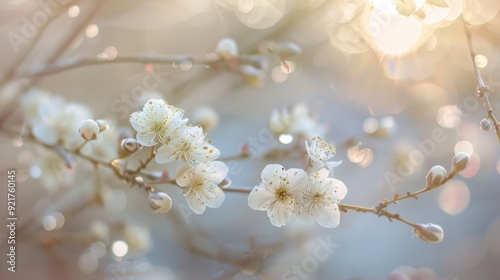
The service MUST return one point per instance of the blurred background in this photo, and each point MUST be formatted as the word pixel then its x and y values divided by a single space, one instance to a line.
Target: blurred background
pixel 384 77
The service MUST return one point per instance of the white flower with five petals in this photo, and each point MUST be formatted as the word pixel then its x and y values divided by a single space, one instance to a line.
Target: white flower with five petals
pixel 320 200
pixel 201 184
pixel 156 122
pixel 188 144
pixel 278 193
pixel 319 152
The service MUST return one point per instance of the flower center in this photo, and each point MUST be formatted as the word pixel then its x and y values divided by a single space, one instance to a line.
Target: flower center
pixel 282 194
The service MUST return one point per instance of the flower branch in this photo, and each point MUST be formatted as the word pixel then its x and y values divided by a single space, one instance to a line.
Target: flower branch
pixel 483 89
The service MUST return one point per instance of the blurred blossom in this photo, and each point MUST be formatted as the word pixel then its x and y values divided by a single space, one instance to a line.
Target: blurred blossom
pixel 297 122
pixel 53 170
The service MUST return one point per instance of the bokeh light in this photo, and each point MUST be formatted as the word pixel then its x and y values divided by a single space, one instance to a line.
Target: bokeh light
pixel 73 11
pixel 464 146
pixel 454 198
pixel 92 31
pixel 473 168
pixel 119 248
pixel 88 263
pixel 449 116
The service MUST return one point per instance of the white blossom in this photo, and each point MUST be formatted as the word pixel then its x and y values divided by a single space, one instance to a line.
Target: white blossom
pixel 105 148
pixel 319 152
pixel 278 193
pixel 52 120
pixel 52 169
pixel 156 122
pixel 297 122
pixel 320 199
pixel 200 184
pixel 188 144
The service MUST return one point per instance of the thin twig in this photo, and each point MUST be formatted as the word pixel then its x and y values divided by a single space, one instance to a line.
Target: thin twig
pixel 82 61
pixel 482 88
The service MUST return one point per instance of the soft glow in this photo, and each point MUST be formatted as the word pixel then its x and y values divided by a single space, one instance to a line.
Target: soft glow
pixel 392 33
pixel 449 116
pixel 119 248
pixel 88 263
pixel 91 31
pixel 245 6
pixel 473 167
pixel 35 172
pixel 278 76
pixel 110 52
pixel 260 14
pixel 464 146
pixel 370 125
pixel 49 223
pixel 481 61
pixel 73 11
pixel 454 198
pixel 285 138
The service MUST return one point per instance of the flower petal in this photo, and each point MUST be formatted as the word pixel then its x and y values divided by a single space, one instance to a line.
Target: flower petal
pixel 138 122
pixel 183 175
pixel 165 154
pixel 205 153
pixel 216 171
pixel 260 198
pixel 308 215
pixel 335 188
pixel 298 180
pixel 45 134
pixel 146 139
pixel 280 214
pixel 329 216
pixel 216 196
pixel 155 109
pixel 195 203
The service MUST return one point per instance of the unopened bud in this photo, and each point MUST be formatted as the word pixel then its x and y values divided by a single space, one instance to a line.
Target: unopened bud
pixel 89 130
pixel 459 162
pixel 206 117
pixel 227 48
pixel 486 124
pixel 287 50
pixel 429 233
pixel 103 125
pixel 436 176
pixel 130 145
pixel 160 202
pixel 252 76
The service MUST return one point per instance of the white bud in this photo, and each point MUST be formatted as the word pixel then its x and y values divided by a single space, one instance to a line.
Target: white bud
pixel 206 117
pixel 287 50
pixel 160 202
pixel 459 162
pixel 130 145
pixel 89 130
pixel 429 233
pixel 103 125
pixel 436 176
pixel 252 76
pixel 486 124
pixel 227 48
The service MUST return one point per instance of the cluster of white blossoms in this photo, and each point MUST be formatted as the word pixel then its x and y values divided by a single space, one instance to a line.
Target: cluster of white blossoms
pixel 283 193
pixel 314 197
pixel 162 124
pixel 298 122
